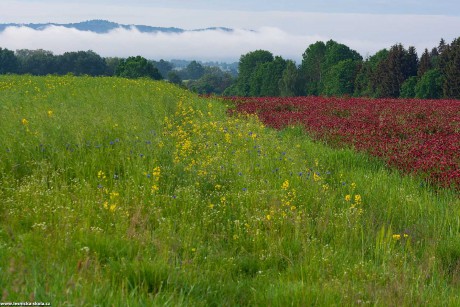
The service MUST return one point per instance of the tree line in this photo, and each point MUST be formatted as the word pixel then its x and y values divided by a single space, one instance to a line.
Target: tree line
pixel 196 77
pixel 333 69
pixel 327 69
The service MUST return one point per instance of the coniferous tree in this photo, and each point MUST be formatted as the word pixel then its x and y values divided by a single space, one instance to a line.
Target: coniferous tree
pixel 399 65
pixel 442 46
pixel 425 63
pixel 450 69
pixel 368 78
pixel 434 56
pixel 410 63
pixel 390 72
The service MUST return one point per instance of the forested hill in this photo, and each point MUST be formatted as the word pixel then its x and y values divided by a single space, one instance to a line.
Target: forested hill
pixel 104 26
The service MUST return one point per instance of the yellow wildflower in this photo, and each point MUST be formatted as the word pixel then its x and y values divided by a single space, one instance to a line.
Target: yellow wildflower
pixel 357 199
pixel 113 207
pixel 25 122
pixel 101 175
pixel 396 236
pixel 347 197
pixel 316 177
pixel 268 217
pixel 157 172
pixel 285 185
pixel 50 113
pixel 114 195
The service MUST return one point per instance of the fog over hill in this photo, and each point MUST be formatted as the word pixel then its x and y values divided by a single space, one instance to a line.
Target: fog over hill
pixel 231 34
pixel 105 26
pixel 111 39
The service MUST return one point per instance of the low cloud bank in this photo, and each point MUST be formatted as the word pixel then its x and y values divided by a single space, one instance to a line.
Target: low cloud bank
pixel 215 45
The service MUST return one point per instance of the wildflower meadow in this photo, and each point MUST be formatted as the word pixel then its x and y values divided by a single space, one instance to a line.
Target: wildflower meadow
pixel 125 192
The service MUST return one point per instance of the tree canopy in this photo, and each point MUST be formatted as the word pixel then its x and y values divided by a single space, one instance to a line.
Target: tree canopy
pixel 8 62
pixel 137 67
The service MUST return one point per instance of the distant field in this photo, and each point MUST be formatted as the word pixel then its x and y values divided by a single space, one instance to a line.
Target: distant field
pixel 124 193
pixel 416 136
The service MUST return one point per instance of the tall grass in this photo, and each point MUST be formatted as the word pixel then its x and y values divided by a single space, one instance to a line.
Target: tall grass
pixel 121 192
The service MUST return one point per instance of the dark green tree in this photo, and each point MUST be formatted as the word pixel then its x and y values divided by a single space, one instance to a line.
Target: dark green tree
pixel 368 80
pixel 312 60
pixel 112 64
pixel 214 81
pixel 82 63
pixel 442 47
pixel 291 82
pixel 257 78
pixel 408 87
pixel 336 53
pixel 339 79
pixel 425 63
pixel 430 85
pixel 164 67
pixel 410 63
pixel 8 62
pixel 450 69
pixel 318 60
pixel 399 65
pixel 37 62
pixel 247 66
pixel 194 71
pixel 264 80
pixel 137 67
pixel 174 78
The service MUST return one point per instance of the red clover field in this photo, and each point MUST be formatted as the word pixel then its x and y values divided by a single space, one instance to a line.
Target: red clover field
pixel 418 136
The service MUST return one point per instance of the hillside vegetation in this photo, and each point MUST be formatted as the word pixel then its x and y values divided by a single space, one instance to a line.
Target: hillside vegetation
pixel 135 192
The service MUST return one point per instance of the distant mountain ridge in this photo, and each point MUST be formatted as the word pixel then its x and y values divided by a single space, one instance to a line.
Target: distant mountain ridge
pixel 105 26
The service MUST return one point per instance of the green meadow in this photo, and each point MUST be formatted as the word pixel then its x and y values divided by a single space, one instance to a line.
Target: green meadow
pixel 117 192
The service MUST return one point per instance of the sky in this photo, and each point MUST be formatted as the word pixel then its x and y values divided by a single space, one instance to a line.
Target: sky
pixel 281 27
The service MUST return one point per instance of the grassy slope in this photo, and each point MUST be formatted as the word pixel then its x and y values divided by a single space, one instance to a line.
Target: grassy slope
pixel 138 192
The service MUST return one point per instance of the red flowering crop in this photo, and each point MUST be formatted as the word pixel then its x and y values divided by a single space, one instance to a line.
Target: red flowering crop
pixel 417 136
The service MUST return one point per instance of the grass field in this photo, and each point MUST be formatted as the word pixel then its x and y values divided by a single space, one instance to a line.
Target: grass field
pixel 130 193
